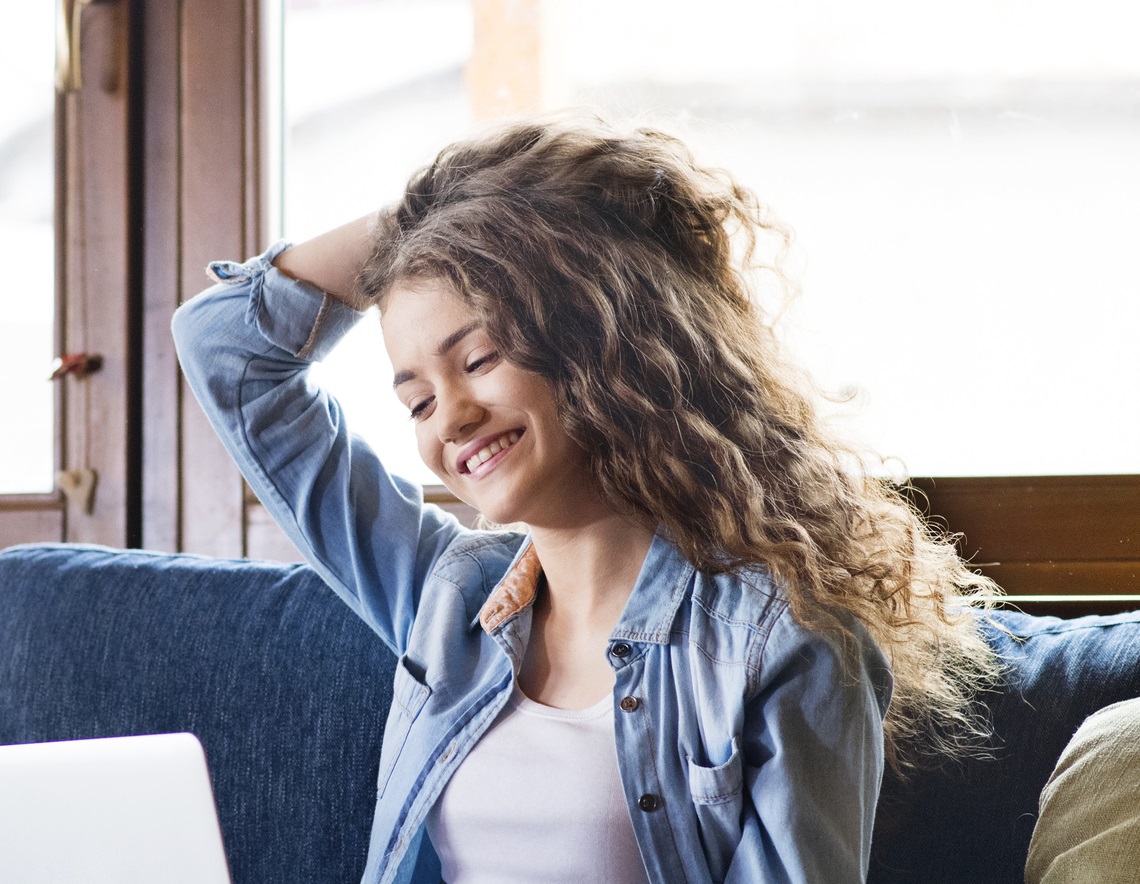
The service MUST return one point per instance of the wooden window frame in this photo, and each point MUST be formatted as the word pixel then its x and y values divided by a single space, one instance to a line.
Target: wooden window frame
pixel 1061 544
pixel 96 419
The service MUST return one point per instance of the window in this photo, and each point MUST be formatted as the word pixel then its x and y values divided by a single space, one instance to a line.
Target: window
pixel 66 198
pixel 366 103
pixel 962 183
pixel 985 155
pixel 27 456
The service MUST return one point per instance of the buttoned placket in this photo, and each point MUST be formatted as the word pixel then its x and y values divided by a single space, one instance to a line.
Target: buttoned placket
pixel 509 636
pixel 648 807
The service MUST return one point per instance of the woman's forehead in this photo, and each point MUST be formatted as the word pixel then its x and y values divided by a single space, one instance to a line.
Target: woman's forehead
pixel 419 315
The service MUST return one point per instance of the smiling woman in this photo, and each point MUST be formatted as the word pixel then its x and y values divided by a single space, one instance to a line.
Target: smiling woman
pixel 712 602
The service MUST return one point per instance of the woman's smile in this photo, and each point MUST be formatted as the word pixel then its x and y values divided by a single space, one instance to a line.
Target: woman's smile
pixel 481 456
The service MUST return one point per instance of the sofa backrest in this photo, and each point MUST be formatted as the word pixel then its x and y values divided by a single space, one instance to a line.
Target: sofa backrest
pixel 285 687
pixel 288 692
pixel 971 821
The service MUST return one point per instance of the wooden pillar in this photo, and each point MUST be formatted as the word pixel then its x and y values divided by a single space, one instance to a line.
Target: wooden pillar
pixel 514 66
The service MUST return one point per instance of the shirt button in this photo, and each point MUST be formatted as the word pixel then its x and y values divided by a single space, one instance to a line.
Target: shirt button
pixel 648 803
pixel 621 649
pixel 628 704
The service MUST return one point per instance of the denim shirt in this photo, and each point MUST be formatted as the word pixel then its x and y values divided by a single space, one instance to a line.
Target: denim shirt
pixel 750 749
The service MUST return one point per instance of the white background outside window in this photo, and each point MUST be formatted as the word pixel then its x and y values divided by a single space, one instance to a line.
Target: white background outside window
pixel 962 181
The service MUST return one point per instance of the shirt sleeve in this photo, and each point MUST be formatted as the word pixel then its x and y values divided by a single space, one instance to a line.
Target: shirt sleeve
pixel 246 346
pixel 813 757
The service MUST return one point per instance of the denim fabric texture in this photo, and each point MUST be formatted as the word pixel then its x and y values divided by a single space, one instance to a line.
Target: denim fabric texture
pixel 286 689
pixel 972 821
pixel 755 751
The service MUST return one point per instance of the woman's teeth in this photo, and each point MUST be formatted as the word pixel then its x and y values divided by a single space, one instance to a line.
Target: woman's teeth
pixel 485 454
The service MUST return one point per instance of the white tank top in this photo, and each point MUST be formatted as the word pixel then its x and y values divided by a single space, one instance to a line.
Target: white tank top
pixel 538 798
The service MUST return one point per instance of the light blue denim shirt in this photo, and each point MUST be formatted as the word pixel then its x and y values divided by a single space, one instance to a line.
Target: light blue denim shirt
pixel 750 749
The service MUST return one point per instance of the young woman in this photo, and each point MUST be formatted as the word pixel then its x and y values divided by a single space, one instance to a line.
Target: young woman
pixel 680 669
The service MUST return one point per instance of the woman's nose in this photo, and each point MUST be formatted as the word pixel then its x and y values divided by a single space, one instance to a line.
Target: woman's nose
pixel 460 414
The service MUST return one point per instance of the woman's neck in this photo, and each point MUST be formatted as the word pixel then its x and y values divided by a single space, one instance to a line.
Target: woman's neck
pixel 590 570
pixel 588 575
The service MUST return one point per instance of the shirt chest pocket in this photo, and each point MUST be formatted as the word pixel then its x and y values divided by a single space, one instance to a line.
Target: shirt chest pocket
pixel 408 697
pixel 718 797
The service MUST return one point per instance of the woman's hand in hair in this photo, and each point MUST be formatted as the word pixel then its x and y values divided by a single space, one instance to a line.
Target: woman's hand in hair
pixel 332 260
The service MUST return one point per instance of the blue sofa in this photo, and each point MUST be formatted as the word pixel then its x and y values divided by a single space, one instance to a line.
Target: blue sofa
pixel 288 693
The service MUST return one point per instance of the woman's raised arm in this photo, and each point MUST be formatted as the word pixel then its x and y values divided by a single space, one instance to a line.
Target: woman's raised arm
pixel 332 260
pixel 246 346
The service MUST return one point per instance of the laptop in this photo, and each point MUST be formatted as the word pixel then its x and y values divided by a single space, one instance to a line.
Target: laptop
pixel 121 810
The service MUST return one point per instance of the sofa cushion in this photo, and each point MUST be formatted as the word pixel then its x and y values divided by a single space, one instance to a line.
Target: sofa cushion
pixel 285 687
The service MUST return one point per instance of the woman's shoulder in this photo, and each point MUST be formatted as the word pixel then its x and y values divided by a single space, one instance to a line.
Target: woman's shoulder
pixel 729 619
pixel 749 599
pixel 746 617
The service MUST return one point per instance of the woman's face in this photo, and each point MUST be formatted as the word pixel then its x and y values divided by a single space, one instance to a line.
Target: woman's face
pixel 488 429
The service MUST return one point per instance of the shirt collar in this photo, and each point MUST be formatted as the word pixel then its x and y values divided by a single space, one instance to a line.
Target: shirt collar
pixel 515 591
pixel 649 613
pixel 660 589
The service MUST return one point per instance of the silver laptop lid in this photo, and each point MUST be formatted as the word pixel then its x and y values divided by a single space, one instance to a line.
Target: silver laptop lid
pixel 121 810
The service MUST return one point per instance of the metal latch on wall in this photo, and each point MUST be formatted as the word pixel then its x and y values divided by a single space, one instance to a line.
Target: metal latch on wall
pixel 77 365
pixel 78 486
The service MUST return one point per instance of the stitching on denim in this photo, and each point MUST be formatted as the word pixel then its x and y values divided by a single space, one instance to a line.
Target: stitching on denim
pixel 311 341
pixel 729 790
pixel 657 637
pixel 719 798
pixel 662 633
pixel 719 661
pixel 671 828
pixel 406 819
pixel 750 625
pixel 255 462
pixel 756 669
pixel 477 540
pixel 418 698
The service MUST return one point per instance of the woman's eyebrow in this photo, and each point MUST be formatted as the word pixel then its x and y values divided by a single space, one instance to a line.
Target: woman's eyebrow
pixel 402 377
pixel 454 338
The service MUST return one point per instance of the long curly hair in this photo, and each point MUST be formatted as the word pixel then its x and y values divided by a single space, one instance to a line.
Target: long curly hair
pixel 616 267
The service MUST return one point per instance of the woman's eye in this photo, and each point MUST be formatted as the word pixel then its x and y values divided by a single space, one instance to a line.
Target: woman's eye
pixel 481 362
pixel 419 409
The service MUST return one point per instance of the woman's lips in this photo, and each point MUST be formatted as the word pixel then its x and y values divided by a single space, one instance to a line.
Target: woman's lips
pixel 483 451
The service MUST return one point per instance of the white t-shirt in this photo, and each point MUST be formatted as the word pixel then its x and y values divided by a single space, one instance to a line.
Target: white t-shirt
pixel 538 798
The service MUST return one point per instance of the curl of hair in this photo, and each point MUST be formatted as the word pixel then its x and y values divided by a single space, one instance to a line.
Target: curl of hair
pixel 613 265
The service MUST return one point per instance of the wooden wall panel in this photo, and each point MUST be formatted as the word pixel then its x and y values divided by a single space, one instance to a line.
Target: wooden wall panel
pixel 96 274
pixel 1077 535
pixel 214 218
pixel 160 275
pixel 34 524
pixel 1068 578
pixel 265 540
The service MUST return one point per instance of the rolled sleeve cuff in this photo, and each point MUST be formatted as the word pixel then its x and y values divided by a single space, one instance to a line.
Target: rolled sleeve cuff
pixel 290 314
